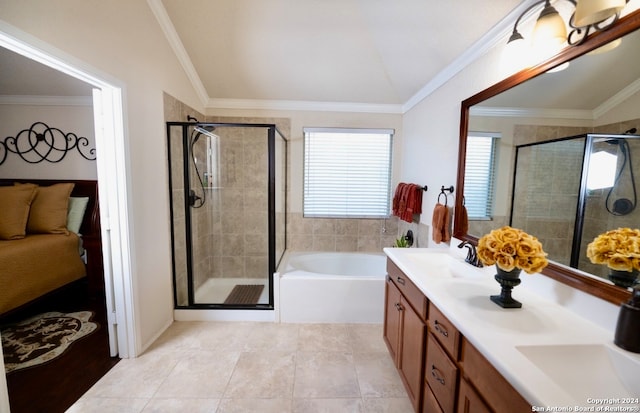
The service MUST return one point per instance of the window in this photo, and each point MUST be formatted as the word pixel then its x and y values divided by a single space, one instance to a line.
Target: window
pixel 347 172
pixel 479 176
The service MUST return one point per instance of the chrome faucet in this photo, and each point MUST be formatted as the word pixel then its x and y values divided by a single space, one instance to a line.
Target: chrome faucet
pixel 472 254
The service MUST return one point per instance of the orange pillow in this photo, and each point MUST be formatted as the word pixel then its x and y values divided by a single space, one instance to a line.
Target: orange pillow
pixel 14 206
pixel 48 214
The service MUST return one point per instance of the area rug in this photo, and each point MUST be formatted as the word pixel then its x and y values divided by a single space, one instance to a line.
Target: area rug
pixel 245 294
pixel 43 338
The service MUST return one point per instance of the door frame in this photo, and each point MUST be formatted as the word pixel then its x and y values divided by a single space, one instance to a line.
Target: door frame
pixel 112 168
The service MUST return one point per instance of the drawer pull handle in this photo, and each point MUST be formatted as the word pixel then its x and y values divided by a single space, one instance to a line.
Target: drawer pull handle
pixel 440 328
pixel 398 307
pixel 436 375
pixel 400 280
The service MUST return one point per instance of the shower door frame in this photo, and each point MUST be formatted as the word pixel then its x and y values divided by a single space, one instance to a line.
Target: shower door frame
pixel 273 261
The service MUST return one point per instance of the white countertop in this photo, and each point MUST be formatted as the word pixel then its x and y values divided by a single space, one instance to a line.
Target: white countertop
pixel 462 292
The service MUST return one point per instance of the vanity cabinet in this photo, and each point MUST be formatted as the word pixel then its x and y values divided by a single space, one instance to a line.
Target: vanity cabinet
pixel 496 391
pixel 441 375
pixel 469 401
pixel 441 370
pixel 405 329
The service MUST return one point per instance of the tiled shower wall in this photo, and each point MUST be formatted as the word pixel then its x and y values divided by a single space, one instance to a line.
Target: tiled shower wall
pixel 174 110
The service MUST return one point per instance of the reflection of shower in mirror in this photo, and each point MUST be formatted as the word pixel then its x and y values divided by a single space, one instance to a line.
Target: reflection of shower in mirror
pixel 622 206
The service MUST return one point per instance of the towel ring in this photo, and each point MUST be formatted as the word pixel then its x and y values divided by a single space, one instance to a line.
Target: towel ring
pixel 446 198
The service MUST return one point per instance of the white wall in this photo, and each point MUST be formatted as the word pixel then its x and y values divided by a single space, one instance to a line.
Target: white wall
pixel 431 131
pixel 76 119
pixel 123 40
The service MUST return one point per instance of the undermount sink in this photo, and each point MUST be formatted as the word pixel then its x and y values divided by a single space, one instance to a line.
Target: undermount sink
pixel 440 264
pixel 588 371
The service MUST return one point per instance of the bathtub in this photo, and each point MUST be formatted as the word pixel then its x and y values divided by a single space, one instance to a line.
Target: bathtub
pixel 331 287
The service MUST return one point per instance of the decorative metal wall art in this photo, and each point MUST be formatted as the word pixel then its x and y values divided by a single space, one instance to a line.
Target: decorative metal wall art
pixel 43 143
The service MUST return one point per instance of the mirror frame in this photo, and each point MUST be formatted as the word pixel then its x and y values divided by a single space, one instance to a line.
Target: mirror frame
pixel 566 275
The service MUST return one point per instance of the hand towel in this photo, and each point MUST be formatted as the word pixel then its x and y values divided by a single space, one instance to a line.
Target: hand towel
pixel 464 220
pixel 440 224
pixel 414 201
pixel 397 200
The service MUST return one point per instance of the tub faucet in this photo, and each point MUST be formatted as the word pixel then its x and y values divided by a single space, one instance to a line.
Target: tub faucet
pixel 472 254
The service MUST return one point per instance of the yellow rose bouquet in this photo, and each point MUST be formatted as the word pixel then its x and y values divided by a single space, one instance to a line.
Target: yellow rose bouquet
pixel 511 248
pixel 618 249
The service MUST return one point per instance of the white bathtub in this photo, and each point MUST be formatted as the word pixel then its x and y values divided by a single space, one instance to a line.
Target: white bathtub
pixel 331 287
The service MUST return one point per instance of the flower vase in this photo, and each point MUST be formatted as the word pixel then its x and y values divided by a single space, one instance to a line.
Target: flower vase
pixel 624 279
pixel 507 280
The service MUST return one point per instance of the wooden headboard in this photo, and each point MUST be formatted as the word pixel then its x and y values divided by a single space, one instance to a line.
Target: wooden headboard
pixel 90 226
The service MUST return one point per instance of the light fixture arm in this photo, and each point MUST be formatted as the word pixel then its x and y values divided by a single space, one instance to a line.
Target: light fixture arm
pixel 578 34
pixel 515 35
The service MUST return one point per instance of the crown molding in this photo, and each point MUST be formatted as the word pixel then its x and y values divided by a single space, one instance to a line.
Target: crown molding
pixel 498 33
pixel 300 105
pixel 31 100
pixel 531 113
pixel 178 48
pixel 617 99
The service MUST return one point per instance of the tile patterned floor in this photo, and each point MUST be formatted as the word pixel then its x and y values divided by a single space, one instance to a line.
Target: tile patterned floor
pixel 220 367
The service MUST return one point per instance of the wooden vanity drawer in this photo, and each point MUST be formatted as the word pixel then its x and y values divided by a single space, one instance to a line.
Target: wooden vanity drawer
pixel 441 374
pixel 412 293
pixel 430 404
pixel 497 392
pixel 469 401
pixel 444 331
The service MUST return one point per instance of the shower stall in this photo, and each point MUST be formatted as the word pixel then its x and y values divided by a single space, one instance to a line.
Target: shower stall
pixel 227 186
pixel 568 191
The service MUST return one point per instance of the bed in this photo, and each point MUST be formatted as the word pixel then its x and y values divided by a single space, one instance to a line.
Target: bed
pixel 49 238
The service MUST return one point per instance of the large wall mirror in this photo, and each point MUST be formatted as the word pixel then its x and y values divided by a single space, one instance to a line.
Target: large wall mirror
pixel 538 114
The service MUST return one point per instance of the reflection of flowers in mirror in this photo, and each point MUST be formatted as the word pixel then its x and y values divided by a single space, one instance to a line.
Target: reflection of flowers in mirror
pixel 618 249
pixel 511 248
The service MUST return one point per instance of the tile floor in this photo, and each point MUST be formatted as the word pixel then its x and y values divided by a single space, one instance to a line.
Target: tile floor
pixel 239 367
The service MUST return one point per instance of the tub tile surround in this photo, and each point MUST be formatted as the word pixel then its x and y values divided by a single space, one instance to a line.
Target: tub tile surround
pixel 248 367
pixel 350 235
pixel 340 234
pixel 552 315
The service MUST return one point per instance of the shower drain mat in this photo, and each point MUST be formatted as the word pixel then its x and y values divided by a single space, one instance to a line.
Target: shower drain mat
pixel 245 294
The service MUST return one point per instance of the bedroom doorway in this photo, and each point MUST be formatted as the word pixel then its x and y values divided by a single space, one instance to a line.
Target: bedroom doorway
pixel 111 171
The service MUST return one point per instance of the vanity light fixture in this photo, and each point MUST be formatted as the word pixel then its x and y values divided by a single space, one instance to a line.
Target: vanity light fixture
pixel 549 35
pixel 596 11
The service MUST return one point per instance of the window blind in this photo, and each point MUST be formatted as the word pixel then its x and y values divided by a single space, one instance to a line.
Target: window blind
pixel 347 172
pixel 479 177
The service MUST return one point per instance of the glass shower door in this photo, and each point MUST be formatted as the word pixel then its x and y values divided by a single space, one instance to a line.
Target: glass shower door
pixel 229 202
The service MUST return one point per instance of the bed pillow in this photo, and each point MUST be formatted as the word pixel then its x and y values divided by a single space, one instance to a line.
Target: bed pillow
pixel 77 207
pixel 15 202
pixel 48 214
